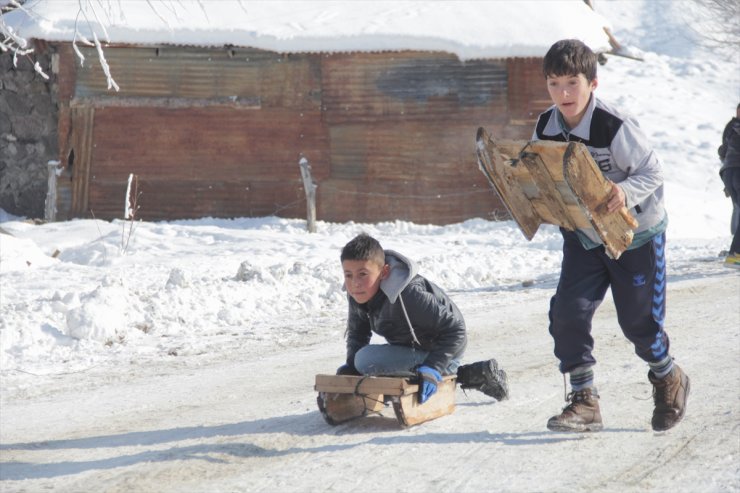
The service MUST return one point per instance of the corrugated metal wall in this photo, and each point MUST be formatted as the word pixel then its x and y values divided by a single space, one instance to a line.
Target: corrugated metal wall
pixel 219 133
pixel 402 129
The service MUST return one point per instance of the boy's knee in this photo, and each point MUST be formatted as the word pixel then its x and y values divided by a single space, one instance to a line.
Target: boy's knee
pixel 364 362
pixel 569 312
pixel 374 359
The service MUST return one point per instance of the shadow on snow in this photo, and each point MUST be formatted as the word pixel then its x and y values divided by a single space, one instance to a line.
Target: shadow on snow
pixel 310 424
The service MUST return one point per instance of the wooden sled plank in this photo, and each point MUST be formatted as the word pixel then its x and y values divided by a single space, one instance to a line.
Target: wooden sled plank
pixel 340 408
pixel 555 202
pixel 555 183
pixel 351 384
pixel 528 177
pixel 592 189
pixel 547 185
pixel 346 397
pixel 500 170
pixel 409 412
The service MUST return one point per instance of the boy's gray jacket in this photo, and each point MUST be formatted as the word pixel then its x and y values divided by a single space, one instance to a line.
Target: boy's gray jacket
pixel 623 154
pixel 437 326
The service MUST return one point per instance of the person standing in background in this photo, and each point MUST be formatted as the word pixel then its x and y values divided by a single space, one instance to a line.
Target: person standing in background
pixel 729 153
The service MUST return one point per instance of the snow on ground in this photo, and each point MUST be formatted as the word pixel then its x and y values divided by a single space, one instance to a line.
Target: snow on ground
pixel 180 356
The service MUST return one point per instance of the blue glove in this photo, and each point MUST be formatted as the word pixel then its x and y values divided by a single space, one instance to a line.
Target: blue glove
pixel 428 379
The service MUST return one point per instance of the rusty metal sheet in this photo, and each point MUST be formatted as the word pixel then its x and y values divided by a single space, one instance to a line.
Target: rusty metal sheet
pixel 254 78
pixel 220 131
pixel 80 157
pixel 429 201
pixel 527 96
pixel 158 200
pixel 401 150
pixel 196 143
pixel 189 156
pixel 411 85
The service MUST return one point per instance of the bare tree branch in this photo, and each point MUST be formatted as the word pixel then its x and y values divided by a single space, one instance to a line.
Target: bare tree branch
pixel 717 24
pixel 14 43
pixel 91 21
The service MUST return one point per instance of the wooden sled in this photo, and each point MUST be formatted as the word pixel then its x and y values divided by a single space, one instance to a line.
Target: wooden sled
pixel 554 183
pixel 345 397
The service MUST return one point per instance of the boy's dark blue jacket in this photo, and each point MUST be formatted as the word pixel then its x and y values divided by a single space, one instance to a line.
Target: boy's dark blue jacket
pixel 437 326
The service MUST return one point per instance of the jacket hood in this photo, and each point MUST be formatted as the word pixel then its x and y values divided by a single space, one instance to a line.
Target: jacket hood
pixel 402 271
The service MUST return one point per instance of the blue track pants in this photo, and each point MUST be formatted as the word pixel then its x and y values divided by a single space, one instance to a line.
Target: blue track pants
pixel 638 284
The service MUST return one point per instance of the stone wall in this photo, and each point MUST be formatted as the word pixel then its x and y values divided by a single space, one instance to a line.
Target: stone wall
pixel 28 134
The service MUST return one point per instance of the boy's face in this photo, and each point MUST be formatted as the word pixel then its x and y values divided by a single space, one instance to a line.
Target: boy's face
pixel 362 278
pixel 571 94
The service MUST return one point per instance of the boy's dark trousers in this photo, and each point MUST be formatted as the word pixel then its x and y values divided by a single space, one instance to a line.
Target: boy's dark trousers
pixel 638 284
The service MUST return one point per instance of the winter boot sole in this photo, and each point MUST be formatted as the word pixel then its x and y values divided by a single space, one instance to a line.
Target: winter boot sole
pixel 574 428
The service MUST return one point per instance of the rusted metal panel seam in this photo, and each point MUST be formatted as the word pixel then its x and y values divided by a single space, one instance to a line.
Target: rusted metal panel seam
pixel 82 128
pixel 240 102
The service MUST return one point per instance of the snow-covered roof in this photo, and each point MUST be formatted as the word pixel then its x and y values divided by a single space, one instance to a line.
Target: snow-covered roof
pixel 470 29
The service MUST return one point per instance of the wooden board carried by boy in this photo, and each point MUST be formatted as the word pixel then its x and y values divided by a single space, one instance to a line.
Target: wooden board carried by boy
pixel 345 397
pixel 554 183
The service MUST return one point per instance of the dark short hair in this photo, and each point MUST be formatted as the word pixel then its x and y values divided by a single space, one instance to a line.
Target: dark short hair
pixel 363 247
pixel 570 57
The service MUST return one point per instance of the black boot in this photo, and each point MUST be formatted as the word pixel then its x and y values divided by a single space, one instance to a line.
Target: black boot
pixel 486 377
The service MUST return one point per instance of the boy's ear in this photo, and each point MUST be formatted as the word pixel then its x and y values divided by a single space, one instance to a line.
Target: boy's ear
pixel 594 83
pixel 385 271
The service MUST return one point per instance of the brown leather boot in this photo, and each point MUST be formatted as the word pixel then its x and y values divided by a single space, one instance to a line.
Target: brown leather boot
pixel 582 414
pixel 669 394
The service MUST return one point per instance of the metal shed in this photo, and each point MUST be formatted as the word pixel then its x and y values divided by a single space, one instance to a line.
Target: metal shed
pixel 219 101
pixel 219 132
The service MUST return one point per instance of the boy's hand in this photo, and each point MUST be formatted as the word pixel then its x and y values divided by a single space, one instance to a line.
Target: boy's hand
pixel 616 198
pixel 428 379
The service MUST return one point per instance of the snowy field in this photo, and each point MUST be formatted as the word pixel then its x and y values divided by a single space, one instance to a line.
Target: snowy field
pixel 180 356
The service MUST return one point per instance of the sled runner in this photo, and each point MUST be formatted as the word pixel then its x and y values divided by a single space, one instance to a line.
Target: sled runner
pixel 345 397
pixel 555 183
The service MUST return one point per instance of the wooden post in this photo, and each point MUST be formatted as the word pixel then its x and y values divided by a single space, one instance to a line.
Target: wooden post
pixel 50 207
pixel 310 187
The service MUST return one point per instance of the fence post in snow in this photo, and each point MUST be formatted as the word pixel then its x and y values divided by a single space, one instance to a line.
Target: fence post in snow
pixel 310 188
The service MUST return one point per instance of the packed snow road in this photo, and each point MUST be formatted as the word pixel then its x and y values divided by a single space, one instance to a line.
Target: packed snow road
pixel 250 423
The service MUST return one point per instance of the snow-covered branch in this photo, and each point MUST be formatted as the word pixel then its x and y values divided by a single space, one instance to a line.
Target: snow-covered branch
pixel 87 9
pixel 92 19
pixel 12 42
